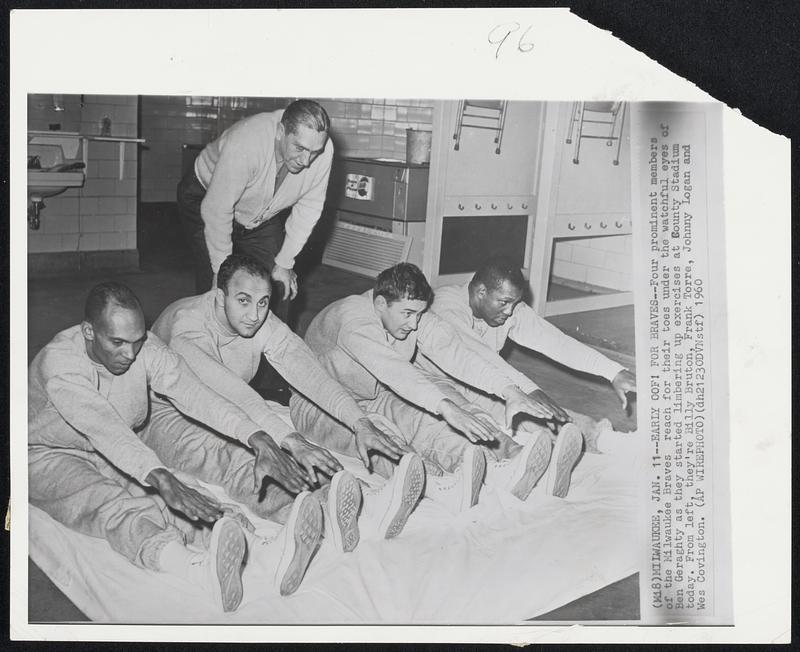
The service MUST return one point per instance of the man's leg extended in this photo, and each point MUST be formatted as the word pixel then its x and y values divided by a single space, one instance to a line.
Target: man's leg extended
pixel 505 446
pixel 513 467
pixel 385 509
pixel 208 456
pixel 426 433
pixel 83 492
pixel 589 427
pixel 455 466
pixel 318 426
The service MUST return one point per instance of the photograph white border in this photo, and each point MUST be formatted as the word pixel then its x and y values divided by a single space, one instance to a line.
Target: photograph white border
pixel 432 54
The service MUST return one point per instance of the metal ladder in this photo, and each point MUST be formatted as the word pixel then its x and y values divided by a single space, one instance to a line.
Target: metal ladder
pixel 615 116
pixel 491 115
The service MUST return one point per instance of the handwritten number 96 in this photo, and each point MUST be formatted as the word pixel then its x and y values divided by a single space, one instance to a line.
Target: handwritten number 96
pixel 499 34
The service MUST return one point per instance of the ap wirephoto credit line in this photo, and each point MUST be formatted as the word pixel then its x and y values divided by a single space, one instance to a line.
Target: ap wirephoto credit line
pixel 677 181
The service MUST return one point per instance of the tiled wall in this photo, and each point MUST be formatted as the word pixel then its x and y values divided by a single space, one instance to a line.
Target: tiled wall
pixel 605 262
pixel 101 215
pixel 364 127
pixel 167 122
pixel 374 128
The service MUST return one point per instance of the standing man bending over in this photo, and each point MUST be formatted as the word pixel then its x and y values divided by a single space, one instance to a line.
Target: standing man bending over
pixel 260 166
pixel 87 392
pixel 222 335
pixel 368 342
pixel 490 310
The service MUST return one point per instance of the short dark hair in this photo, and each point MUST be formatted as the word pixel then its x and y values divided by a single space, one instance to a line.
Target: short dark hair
pixel 236 262
pixel 494 272
pixel 103 294
pixel 305 112
pixel 403 281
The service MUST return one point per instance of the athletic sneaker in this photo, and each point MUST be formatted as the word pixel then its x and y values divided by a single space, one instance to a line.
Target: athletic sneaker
pixel 520 473
pixel 341 511
pixel 223 563
pixel 290 552
pixel 565 454
pixel 387 509
pixel 460 490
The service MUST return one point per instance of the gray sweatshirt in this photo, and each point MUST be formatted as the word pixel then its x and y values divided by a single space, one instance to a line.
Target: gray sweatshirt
pixel 238 171
pixel 351 343
pixel 524 327
pixel 226 362
pixel 75 403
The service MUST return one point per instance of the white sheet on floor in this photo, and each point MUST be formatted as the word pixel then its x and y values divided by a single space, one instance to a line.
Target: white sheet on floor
pixel 501 562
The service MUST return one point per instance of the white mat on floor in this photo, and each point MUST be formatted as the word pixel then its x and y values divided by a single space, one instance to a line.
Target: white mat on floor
pixel 501 562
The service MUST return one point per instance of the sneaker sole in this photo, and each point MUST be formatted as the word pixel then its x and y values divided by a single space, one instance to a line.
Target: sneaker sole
pixel 344 501
pixel 565 454
pixel 475 464
pixel 227 548
pixel 538 457
pixel 405 497
pixel 305 528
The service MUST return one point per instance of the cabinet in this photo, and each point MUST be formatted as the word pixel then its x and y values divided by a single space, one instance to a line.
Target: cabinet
pixel 480 202
pixel 522 202
pixel 381 195
pixel 577 201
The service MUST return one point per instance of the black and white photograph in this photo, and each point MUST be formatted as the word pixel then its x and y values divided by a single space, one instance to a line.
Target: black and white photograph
pixel 461 514
pixel 300 357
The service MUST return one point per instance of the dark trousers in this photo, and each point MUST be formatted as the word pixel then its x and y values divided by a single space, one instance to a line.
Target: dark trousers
pixel 262 243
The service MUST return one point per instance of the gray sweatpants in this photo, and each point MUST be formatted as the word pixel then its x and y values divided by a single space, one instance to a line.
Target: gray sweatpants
pixel 428 434
pixel 202 453
pixel 81 490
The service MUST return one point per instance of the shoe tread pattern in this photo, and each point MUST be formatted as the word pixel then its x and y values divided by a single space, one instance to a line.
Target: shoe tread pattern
pixel 478 472
pixel 306 534
pixel 535 466
pixel 568 454
pixel 348 501
pixel 229 555
pixel 412 490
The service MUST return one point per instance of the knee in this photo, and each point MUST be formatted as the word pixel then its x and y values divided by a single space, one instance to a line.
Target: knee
pixel 301 412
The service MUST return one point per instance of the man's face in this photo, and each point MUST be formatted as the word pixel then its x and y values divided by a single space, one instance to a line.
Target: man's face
pixel 299 150
pixel 495 306
pixel 246 302
pixel 400 318
pixel 116 339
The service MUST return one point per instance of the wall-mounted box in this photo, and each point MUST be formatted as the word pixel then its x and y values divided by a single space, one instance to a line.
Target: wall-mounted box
pixel 391 190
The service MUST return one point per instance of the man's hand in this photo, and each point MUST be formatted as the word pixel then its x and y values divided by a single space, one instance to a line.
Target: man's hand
pixel 277 464
pixel 287 278
pixel 473 428
pixel 623 383
pixel 381 438
pixel 194 505
pixel 485 417
pixel 518 402
pixel 310 456
pixel 543 400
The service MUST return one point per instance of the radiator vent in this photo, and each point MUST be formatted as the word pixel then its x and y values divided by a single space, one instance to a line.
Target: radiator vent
pixel 364 250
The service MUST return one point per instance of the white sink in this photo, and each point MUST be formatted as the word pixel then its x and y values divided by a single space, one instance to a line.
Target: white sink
pixel 46 183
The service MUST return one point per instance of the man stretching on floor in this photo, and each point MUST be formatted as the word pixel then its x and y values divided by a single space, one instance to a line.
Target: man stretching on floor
pixel 490 309
pixel 222 335
pixel 368 342
pixel 87 393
